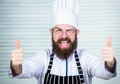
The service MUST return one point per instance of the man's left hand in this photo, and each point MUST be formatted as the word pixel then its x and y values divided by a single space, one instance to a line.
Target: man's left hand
pixel 108 53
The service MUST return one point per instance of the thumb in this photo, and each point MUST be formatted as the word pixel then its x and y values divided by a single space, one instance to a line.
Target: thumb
pixel 17 43
pixel 109 41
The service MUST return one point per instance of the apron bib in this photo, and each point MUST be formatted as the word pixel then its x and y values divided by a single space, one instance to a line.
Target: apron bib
pixel 55 79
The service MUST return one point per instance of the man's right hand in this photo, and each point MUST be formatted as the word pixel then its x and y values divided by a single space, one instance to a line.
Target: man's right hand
pixel 17 59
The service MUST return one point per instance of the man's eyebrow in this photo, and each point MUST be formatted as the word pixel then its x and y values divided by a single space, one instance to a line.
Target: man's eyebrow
pixel 61 29
pixel 70 29
pixel 57 28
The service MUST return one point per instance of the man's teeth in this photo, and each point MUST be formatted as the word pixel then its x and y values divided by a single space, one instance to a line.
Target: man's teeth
pixel 64 41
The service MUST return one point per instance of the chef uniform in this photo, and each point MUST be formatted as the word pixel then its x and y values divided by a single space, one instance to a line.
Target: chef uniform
pixel 79 68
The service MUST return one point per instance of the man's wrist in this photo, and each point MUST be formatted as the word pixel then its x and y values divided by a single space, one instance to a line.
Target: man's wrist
pixel 110 66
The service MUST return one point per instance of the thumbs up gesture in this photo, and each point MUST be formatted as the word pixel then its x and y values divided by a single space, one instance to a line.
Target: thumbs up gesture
pixel 17 57
pixel 108 53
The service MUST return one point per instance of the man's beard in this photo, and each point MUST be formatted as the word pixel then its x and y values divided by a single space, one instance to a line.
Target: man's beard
pixel 64 53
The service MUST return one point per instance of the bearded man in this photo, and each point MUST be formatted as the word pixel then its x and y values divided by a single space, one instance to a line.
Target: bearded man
pixel 65 63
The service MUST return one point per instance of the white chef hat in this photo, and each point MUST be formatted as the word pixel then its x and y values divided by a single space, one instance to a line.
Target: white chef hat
pixel 66 12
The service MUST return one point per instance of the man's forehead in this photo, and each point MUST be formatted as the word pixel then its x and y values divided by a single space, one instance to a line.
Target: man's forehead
pixel 64 26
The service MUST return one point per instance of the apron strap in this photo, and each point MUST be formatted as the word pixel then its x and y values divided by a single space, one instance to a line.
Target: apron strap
pixel 50 63
pixel 79 67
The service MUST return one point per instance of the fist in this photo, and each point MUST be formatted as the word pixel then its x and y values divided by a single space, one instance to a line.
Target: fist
pixel 17 55
pixel 108 53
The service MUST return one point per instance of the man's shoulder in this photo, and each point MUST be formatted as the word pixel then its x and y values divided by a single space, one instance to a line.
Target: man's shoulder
pixel 84 52
pixel 45 52
pixel 81 51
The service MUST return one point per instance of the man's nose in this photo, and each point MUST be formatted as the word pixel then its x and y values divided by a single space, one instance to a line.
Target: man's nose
pixel 64 35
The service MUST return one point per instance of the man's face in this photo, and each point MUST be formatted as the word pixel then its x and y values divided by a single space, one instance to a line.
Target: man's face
pixel 64 39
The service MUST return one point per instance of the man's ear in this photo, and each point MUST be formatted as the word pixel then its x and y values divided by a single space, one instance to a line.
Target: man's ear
pixel 78 31
pixel 50 31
